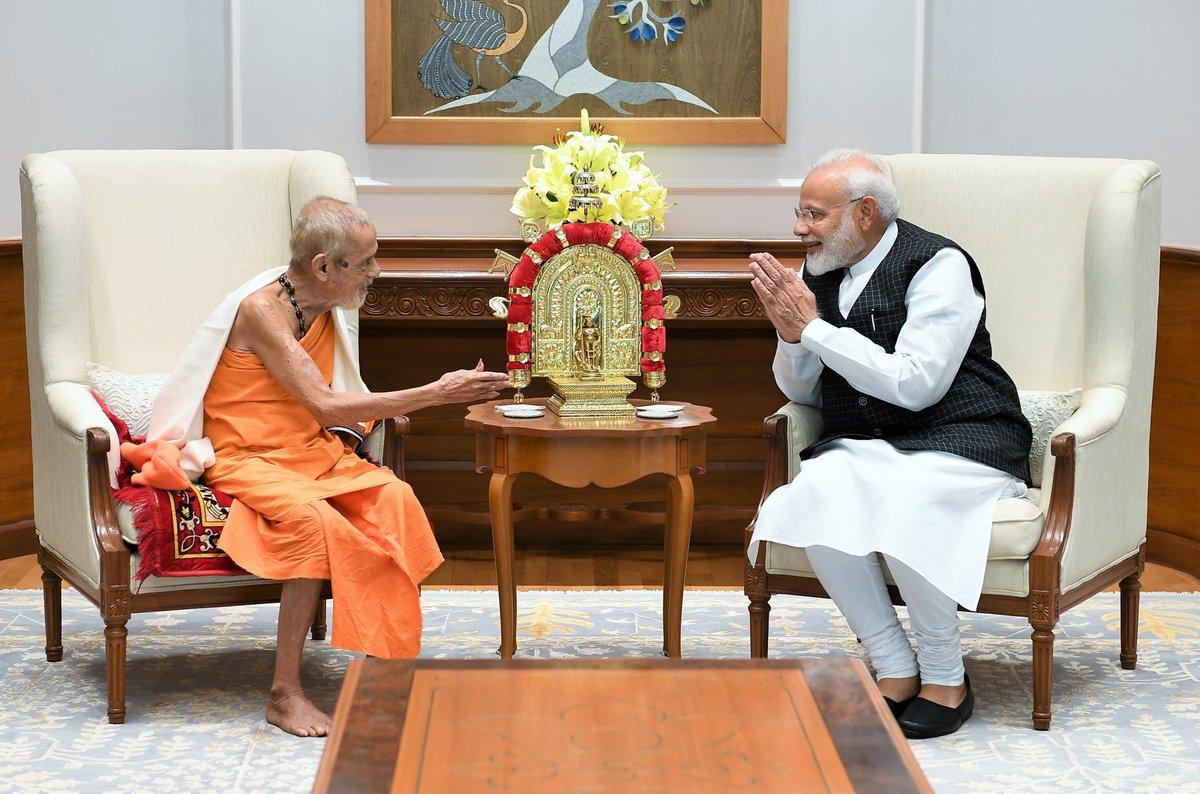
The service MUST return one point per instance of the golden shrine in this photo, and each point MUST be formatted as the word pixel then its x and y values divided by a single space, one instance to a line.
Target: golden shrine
pixel 585 306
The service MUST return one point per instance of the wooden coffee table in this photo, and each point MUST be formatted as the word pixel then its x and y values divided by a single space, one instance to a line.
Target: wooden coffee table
pixel 614 725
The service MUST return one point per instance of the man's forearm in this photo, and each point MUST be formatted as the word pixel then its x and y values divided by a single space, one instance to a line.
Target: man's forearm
pixel 347 408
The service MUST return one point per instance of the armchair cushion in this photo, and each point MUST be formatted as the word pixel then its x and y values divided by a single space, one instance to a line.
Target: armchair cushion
pixel 1001 577
pixel 1016 527
pixel 1046 410
pixel 131 397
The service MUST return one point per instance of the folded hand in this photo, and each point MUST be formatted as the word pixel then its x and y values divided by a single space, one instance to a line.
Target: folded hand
pixel 788 302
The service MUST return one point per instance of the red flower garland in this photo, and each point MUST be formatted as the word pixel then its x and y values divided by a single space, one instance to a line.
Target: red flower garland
pixel 522 277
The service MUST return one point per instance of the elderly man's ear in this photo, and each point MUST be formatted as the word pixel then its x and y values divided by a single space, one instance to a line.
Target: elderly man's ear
pixel 868 213
pixel 320 266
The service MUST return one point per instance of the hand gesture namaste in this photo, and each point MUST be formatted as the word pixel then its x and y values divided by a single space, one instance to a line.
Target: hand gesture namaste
pixel 789 303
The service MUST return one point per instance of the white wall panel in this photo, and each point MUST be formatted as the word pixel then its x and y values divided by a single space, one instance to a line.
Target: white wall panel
pixel 101 74
pixel 1079 78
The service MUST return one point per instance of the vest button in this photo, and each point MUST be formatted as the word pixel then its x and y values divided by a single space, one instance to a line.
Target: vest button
pixel 862 400
pixel 877 432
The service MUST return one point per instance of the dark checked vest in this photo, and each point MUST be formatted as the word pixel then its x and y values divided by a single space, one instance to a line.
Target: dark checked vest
pixel 979 417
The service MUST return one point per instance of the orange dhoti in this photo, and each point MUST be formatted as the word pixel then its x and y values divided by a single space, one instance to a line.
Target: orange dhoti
pixel 307 507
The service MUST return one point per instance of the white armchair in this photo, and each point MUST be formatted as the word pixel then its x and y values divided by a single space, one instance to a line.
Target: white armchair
pixel 126 253
pixel 1069 250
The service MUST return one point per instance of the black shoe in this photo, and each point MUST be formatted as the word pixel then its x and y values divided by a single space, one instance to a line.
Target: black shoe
pixel 924 719
pixel 898 707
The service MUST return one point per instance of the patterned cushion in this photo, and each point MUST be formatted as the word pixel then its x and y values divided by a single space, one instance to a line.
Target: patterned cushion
pixel 129 396
pixel 1046 410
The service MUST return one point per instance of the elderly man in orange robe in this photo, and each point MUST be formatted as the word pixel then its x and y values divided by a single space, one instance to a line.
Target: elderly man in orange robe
pixel 307 507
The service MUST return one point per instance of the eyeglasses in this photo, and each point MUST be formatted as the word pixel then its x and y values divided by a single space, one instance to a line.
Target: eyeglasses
pixel 816 216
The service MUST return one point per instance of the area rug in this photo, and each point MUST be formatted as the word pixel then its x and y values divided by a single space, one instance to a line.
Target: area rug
pixel 197 680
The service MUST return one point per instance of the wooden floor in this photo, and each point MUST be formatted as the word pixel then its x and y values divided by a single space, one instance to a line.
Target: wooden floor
pixel 634 567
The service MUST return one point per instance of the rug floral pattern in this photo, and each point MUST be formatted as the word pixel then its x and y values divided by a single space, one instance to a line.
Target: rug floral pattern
pixel 196 681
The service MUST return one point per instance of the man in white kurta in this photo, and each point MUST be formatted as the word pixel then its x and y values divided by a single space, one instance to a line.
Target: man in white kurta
pixel 926 434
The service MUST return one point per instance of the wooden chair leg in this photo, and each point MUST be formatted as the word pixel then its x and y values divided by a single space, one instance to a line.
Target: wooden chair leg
pixel 760 603
pixel 114 651
pixel 319 624
pixel 760 612
pixel 52 601
pixel 1043 670
pixel 1131 595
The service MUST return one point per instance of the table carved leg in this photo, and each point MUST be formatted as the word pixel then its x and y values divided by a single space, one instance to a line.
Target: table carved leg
pixel 500 503
pixel 677 535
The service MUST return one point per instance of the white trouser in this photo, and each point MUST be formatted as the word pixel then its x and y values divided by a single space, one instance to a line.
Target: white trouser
pixel 856 585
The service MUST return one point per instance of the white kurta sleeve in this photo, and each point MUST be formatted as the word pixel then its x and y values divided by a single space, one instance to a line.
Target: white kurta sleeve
pixel 798 373
pixel 943 313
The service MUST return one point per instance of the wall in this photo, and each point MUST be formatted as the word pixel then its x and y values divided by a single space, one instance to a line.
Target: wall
pixel 1087 77
pixel 1080 78
pixel 107 74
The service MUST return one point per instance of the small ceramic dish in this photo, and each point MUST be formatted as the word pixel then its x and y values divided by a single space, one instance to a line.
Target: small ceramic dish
pixel 521 411
pixel 659 411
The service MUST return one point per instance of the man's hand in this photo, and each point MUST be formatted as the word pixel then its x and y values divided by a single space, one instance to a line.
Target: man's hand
pixel 470 385
pixel 789 303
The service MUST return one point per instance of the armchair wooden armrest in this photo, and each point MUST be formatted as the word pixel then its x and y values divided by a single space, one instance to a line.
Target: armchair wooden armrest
pixel 115 599
pixel 395 430
pixel 114 554
pixel 775 430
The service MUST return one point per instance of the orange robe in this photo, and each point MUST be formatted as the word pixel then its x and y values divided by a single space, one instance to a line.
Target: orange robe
pixel 307 507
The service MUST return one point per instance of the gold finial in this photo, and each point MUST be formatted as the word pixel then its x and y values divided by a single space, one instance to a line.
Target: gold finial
pixel 583 193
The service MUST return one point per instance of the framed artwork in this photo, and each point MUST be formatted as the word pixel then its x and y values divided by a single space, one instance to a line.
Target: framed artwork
pixel 514 71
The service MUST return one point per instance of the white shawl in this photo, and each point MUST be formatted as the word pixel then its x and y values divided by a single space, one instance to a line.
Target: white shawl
pixel 178 413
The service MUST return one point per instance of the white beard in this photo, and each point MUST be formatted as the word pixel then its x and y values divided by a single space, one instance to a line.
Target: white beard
pixel 355 303
pixel 836 250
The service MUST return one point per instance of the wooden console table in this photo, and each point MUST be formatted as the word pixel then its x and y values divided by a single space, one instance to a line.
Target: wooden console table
pixel 575 453
pixel 427 312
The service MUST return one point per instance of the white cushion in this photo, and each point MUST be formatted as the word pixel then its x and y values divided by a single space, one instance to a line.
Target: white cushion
pixel 130 397
pixel 125 523
pixel 1016 527
pixel 1046 410
pixel 1001 577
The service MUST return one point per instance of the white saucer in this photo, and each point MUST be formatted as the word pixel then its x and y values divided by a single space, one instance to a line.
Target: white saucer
pixel 659 411
pixel 521 411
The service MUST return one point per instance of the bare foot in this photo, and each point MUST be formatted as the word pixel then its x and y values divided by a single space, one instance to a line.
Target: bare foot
pixel 294 713
pixel 899 689
pixel 949 696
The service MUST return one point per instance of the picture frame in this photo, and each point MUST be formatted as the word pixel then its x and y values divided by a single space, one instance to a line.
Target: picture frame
pixel 427 101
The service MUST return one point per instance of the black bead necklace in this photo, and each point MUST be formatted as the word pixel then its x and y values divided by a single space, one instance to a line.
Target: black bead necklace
pixel 291 291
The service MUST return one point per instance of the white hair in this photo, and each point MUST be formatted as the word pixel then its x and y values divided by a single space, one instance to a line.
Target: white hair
pixel 323 227
pixel 875 181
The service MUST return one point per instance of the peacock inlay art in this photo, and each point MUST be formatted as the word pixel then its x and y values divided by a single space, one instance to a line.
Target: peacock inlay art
pixel 559 65
pixel 475 26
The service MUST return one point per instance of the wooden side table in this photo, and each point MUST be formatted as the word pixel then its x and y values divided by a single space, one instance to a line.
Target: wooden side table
pixel 578 452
